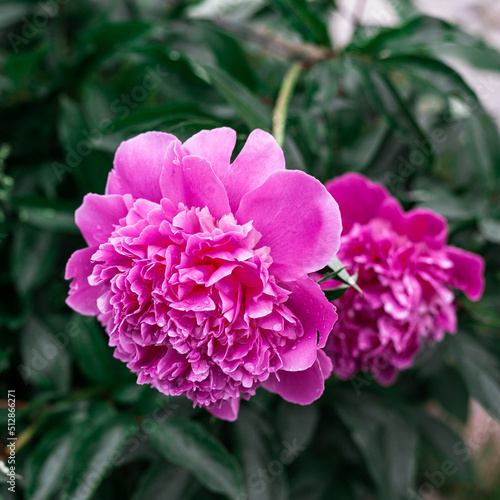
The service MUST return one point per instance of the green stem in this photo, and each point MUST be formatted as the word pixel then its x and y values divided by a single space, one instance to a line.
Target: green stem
pixel 281 109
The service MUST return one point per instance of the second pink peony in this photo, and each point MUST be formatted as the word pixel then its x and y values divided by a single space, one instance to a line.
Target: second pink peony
pixel 407 273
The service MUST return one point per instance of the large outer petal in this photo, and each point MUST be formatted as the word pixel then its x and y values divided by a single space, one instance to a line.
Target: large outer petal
pixel 419 224
pixel 215 145
pixel 317 316
pixel 301 387
pixel 468 272
pixel 297 218
pixel 423 224
pixel 202 187
pixel 97 216
pixel 192 181
pixel 138 164
pixel 172 175
pixel 361 200
pixel 358 198
pixel 82 297
pixel 226 410
pixel 260 156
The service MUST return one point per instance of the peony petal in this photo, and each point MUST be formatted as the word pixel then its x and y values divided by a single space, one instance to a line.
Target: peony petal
pixel 302 354
pixel 260 156
pixel 202 188
pixel 423 224
pixel 386 376
pixel 419 224
pixel 301 387
pixel 468 272
pixel 297 218
pixel 215 145
pixel 226 410
pixel 172 176
pixel 325 364
pixel 82 297
pixel 307 294
pixel 358 198
pixel 138 165
pixel 98 215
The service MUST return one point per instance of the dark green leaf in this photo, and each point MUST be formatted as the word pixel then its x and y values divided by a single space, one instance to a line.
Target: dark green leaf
pixel 263 459
pixel 480 370
pixel 405 9
pixel 51 220
pixel 48 460
pixel 389 103
pixel 448 445
pixel 449 389
pixel 162 481
pixel 93 356
pixel 301 16
pixel 483 147
pixel 34 253
pixel 21 70
pixel 153 117
pixel 335 293
pixel 434 73
pixel 331 276
pixel 428 35
pixel 45 361
pixel 490 229
pixel 313 479
pixel 297 424
pixel 5 355
pixel 387 440
pixel 99 455
pixel 188 444
pixel 252 111
pixel 109 35
pixel 12 12
pixel 227 50
pixel 364 151
pixel 71 123
pixel 50 474
pixel 342 275
pixel 438 197
pixel 486 311
pixel 44 213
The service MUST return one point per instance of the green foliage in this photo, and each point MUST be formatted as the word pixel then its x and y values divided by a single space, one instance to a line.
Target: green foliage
pixel 386 439
pixel 76 79
pixel 189 445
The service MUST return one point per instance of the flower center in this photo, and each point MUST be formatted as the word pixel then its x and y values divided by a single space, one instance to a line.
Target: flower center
pixel 189 298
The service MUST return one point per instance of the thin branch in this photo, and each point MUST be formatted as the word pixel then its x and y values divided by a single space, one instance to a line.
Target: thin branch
pixel 308 53
pixel 20 405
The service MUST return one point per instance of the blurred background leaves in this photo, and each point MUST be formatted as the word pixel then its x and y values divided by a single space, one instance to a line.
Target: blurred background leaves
pixel 76 79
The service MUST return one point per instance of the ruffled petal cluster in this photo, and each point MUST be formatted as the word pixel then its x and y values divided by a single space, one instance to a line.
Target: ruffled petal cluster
pixel 407 274
pixel 198 268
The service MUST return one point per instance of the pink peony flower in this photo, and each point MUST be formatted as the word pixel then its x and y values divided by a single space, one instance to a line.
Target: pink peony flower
pixel 197 268
pixel 406 272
